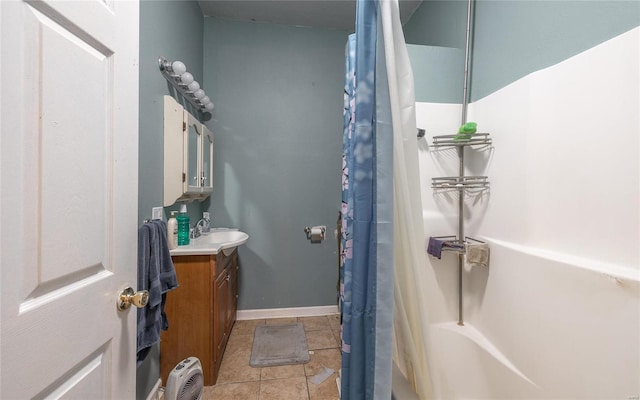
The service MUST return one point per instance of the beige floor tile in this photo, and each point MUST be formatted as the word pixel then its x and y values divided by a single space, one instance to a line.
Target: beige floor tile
pixel 284 389
pixel 282 371
pixel 232 391
pixel 334 322
pixel 314 323
pixel 281 321
pixel 238 380
pixel 336 334
pixel 330 358
pixel 239 342
pixel 246 327
pixel 235 368
pixel 327 390
pixel 321 340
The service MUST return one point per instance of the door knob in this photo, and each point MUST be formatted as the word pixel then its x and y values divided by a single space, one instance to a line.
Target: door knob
pixel 128 296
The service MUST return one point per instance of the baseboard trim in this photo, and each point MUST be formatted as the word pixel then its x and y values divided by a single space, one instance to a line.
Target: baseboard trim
pixel 286 312
pixel 155 394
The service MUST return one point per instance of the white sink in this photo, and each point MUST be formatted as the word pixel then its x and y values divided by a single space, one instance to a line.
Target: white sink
pixel 217 240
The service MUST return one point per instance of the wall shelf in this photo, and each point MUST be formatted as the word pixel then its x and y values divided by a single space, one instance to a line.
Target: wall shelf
pixel 453 245
pixel 460 182
pixel 477 139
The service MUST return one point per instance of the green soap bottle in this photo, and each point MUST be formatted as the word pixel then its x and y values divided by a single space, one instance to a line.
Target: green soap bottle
pixel 183 226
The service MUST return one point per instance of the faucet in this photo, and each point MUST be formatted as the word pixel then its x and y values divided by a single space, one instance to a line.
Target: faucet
pixel 206 225
pixel 195 232
pixel 202 226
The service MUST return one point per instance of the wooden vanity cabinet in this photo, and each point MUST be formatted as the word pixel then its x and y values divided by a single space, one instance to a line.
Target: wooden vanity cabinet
pixel 201 312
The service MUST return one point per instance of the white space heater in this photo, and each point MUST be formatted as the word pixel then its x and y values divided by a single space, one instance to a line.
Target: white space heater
pixel 185 381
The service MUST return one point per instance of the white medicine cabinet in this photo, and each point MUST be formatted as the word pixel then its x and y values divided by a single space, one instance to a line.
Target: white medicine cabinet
pixel 188 155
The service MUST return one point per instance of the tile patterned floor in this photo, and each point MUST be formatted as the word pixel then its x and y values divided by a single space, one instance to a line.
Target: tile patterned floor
pixel 237 380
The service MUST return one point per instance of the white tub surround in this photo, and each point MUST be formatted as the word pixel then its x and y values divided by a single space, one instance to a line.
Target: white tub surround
pixel 557 314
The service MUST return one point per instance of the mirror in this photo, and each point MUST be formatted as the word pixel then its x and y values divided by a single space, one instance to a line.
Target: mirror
pixel 207 158
pixel 192 150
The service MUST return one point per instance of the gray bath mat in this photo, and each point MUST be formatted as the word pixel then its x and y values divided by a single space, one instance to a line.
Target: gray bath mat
pixel 279 345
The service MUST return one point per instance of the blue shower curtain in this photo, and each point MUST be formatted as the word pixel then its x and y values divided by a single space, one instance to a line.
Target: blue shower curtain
pixel 366 273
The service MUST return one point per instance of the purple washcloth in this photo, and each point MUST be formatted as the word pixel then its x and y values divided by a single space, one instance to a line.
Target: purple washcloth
pixel 435 247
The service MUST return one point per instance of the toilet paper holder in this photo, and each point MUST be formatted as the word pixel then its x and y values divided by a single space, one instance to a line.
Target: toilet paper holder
pixel 315 233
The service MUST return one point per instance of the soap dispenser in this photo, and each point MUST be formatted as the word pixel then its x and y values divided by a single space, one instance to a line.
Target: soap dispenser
pixel 172 231
pixel 183 226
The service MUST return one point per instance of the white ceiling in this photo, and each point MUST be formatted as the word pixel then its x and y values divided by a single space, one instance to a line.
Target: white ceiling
pixel 329 14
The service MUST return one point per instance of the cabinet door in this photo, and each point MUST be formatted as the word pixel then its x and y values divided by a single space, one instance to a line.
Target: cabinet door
pixel 233 291
pixel 207 160
pixel 174 172
pixel 220 314
pixel 193 139
pixel 189 313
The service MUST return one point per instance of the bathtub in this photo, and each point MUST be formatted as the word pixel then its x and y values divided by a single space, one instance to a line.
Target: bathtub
pixel 469 366
pixel 466 365
pixel 538 325
pixel 400 387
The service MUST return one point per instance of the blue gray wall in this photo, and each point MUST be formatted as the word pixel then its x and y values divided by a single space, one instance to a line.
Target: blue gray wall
pixel 436 39
pixel 438 23
pixel 172 29
pixel 515 38
pixel 278 93
pixel 438 73
pixel 511 40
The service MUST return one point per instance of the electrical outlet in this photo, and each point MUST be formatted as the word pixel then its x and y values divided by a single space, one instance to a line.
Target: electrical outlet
pixel 156 213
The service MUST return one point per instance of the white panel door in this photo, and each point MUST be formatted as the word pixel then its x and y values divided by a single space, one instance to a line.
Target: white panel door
pixel 68 179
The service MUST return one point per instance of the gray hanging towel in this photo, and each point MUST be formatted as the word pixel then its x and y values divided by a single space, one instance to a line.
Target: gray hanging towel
pixel 156 274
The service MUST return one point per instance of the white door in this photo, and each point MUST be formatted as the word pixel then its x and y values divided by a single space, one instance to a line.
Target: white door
pixel 68 179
